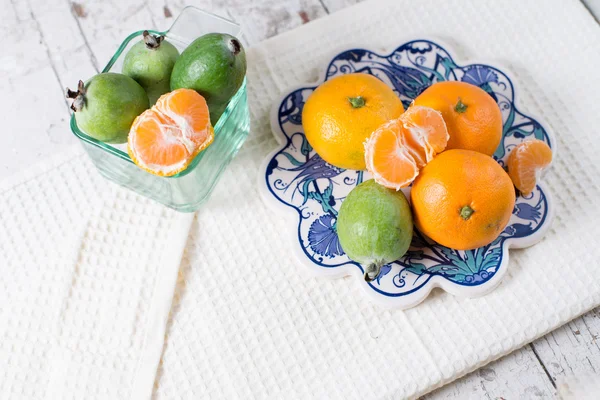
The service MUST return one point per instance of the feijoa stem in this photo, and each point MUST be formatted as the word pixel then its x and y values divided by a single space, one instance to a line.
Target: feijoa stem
pixel 152 41
pixel 77 96
pixel 460 106
pixel 466 212
pixel 357 102
pixel 372 271
pixel 235 46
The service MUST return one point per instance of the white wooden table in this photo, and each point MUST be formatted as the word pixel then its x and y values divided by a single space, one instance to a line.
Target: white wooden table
pixel 50 44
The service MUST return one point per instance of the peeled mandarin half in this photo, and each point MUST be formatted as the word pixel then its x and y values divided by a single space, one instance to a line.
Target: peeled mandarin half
pixel 397 150
pixel 388 157
pixel 189 110
pixel 526 162
pixel 166 138
pixel 156 144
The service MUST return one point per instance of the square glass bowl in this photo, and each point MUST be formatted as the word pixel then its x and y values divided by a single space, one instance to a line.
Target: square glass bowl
pixel 187 190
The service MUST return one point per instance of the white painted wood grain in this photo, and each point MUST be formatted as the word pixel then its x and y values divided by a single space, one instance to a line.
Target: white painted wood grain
pixel 518 375
pixel 42 52
pixel 51 44
pixel 573 349
pixel 335 5
pixel 259 19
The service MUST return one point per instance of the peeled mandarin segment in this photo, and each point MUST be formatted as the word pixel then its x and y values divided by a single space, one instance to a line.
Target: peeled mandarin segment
pixel 189 110
pixel 412 139
pixel 526 162
pixel 388 159
pixel 155 144
pixel 429 124
pixel 419 155
pixel 400 148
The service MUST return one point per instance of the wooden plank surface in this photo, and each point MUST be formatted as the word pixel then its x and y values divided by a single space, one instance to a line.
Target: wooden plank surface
pixel 53 43
pixel 335 5
pixel 572 349
pixel 518 375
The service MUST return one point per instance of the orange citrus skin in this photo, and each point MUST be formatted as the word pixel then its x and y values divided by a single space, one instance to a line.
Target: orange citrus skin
pixel 526 161
pixel 462 199
pixel 472 116
pixel 336 128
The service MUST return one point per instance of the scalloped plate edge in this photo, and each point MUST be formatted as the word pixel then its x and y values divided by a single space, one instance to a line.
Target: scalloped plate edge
pixel 354 269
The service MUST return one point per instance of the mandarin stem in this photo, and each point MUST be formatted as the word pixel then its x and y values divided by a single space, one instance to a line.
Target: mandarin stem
pixel 460 106
pixel 466 212
pixel 357 102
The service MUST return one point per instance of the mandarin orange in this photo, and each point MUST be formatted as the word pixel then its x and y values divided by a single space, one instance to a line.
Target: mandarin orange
pixel 472 116
pixel 462 199
pixel 343 112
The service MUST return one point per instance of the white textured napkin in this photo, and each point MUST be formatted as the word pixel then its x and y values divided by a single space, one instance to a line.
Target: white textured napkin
pixel 87 274
pixel 247 322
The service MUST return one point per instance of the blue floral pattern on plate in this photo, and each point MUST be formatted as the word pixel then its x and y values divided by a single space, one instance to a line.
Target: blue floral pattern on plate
pixel 296 178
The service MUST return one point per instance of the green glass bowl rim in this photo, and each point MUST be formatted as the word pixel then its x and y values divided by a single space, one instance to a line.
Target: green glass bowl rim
pixel 124 156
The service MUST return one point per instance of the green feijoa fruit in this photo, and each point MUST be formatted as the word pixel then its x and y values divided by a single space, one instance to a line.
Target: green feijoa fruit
pixel 375 226
pixel 214 65
pixel 150 62
pixel 106 105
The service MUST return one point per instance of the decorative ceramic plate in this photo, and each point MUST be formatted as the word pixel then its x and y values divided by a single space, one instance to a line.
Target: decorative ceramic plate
pixel 296 180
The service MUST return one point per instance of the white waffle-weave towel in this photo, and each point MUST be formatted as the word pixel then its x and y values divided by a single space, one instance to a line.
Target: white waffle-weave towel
pixel 87 273
pixel 248 323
